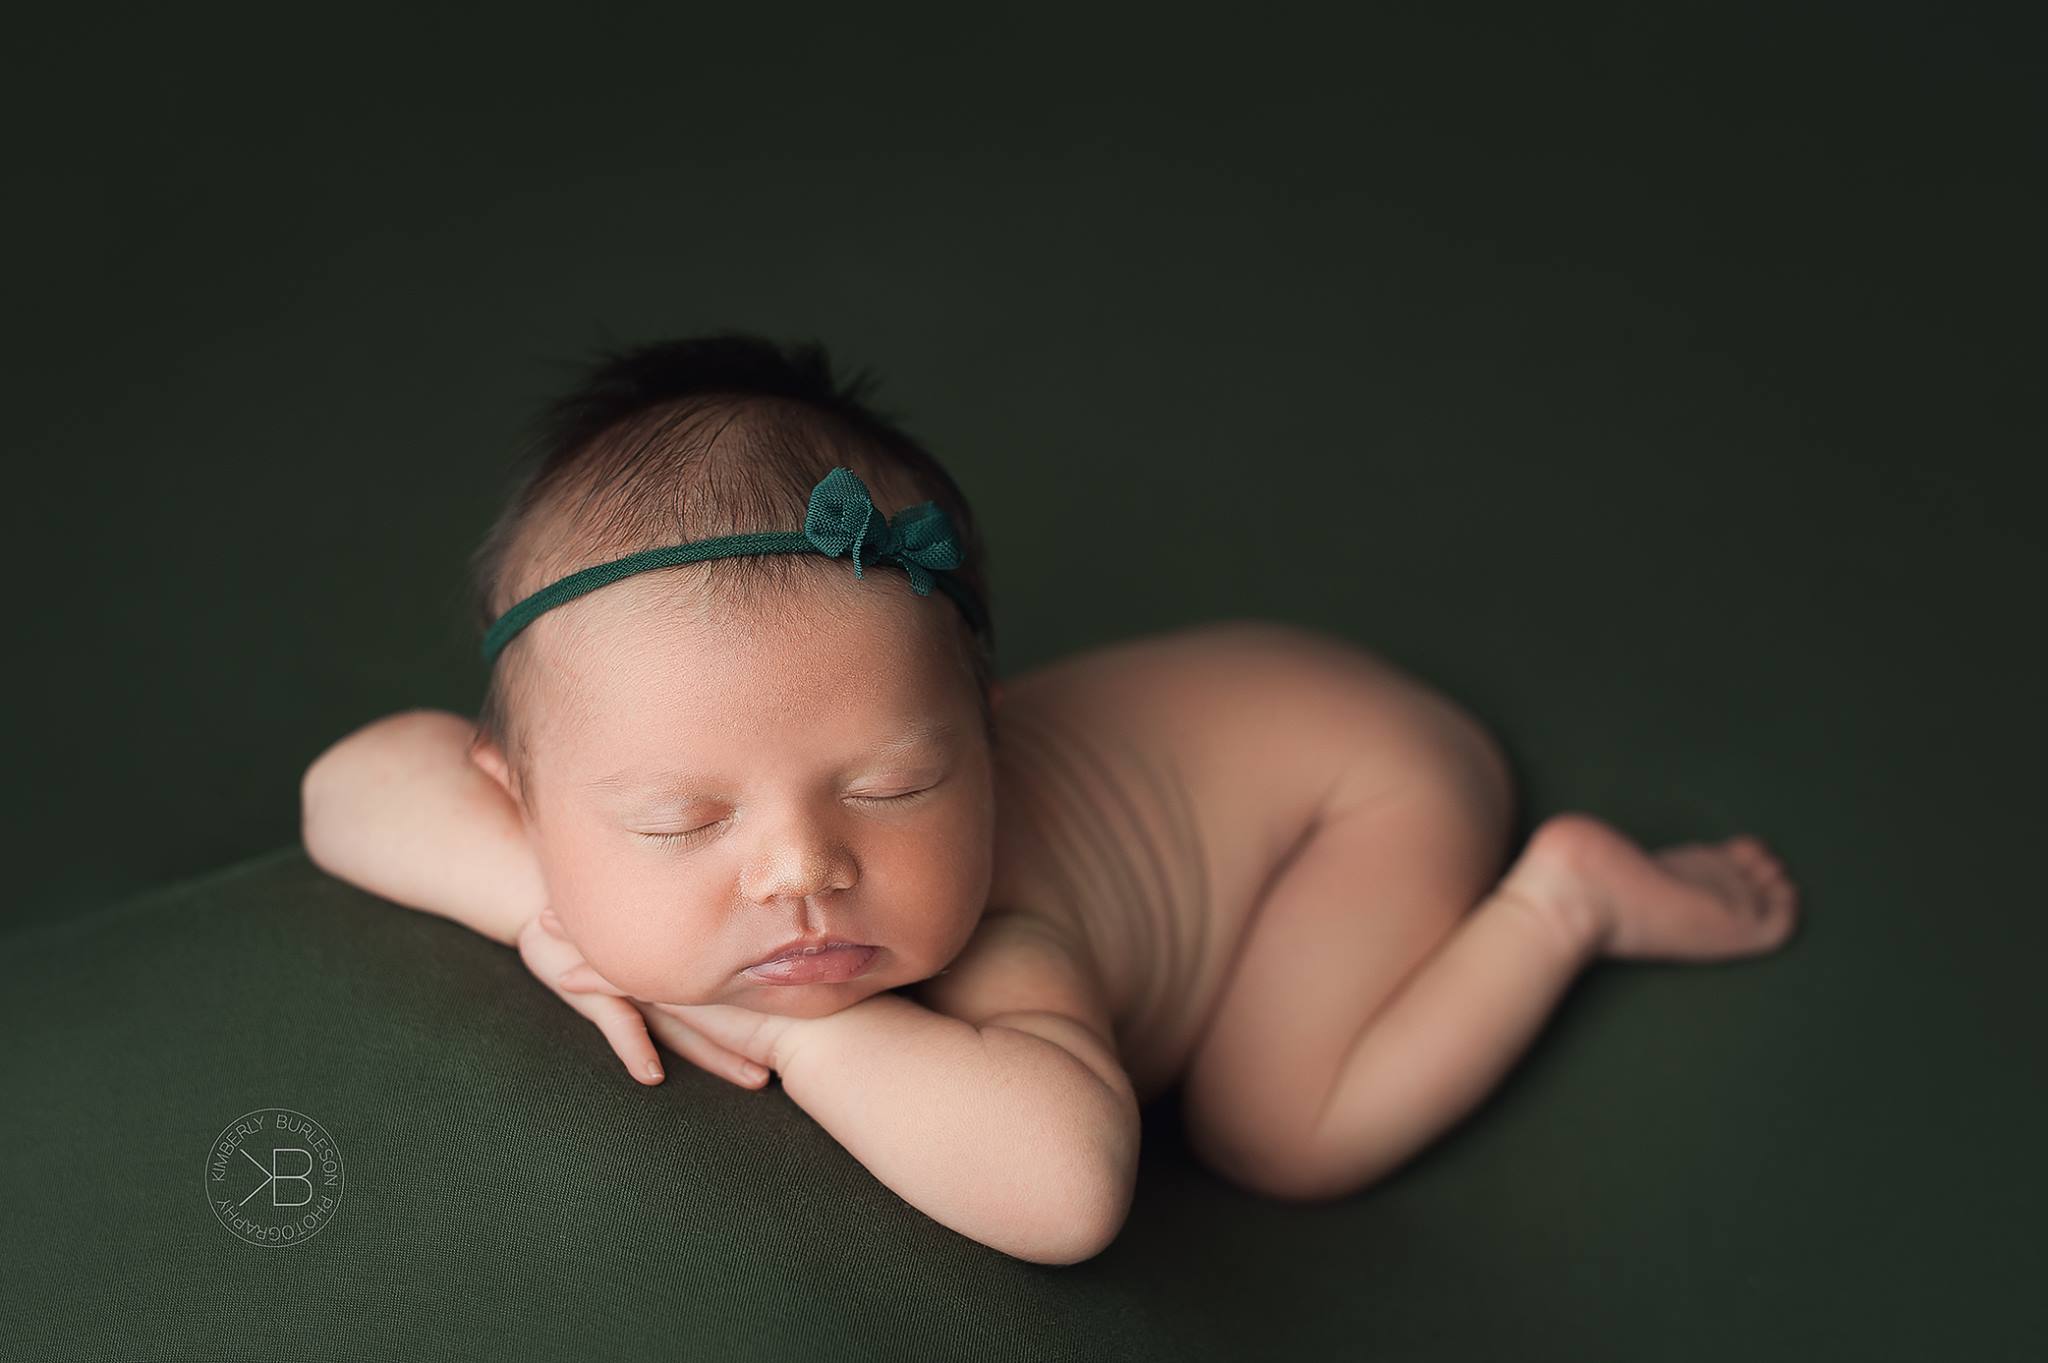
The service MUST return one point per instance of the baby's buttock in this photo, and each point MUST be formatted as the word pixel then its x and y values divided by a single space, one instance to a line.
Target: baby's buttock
pixel 1148 792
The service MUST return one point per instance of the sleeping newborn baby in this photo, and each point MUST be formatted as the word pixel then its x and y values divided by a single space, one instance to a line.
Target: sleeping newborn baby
pixel 744 784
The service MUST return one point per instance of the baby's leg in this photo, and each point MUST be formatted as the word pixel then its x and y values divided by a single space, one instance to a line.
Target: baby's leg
pixel 1358 1026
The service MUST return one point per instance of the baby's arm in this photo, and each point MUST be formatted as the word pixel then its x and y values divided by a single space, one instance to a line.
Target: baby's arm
pixel 398 808
pixel 1002 1134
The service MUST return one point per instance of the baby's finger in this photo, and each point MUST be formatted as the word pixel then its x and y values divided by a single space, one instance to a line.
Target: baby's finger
pixel 626 1030
pixel 739 1030
pixel 582 978
pixel 700 1050
pixel 545 954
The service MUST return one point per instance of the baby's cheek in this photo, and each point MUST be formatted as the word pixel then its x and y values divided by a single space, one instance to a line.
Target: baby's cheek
pixel 656 967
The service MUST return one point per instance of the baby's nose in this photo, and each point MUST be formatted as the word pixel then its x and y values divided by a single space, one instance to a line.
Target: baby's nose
pixel 800 870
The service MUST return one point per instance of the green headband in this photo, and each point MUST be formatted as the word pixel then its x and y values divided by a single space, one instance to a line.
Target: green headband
pixel 840 520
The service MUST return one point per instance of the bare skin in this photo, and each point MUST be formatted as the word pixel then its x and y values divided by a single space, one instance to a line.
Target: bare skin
pixel 1279 867
pixel 1287 858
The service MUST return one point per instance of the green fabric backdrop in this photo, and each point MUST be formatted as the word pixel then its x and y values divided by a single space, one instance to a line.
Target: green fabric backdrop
pixel 1661 383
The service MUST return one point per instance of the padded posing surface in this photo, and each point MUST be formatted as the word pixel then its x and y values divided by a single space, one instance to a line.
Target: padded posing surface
pixel 1687 1166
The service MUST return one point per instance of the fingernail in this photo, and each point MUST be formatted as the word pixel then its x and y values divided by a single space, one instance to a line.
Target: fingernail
pixel 654 1069
pixel 753 1071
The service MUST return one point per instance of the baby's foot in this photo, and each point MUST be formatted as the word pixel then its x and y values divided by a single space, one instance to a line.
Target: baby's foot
pixel 1692 902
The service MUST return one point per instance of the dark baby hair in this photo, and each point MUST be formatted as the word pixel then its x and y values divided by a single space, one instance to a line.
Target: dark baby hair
pixel 681 440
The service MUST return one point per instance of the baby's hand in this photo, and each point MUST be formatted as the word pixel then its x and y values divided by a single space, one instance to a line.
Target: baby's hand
pixel 757 1039
pixel 556 962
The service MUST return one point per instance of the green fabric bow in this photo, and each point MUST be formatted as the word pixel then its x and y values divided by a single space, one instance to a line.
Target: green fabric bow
pixel 842 520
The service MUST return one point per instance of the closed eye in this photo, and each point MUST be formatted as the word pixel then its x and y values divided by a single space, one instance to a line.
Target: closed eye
pixel 692 834
pixel 906 795
pixel 687 835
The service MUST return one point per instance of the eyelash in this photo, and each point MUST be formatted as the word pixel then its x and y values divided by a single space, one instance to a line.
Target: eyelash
pixel 691 835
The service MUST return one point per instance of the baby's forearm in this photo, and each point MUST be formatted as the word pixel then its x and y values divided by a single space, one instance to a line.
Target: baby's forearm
pixel 398 808
pixel 1000 1135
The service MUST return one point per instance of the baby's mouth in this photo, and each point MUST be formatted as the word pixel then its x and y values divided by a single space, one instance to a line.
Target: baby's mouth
pixel 832 963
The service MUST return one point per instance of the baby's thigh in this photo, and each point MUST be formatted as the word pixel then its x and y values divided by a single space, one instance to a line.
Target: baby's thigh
pixel 1364 901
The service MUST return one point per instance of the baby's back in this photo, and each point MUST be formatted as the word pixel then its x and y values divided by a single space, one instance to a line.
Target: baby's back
pixel 1149 790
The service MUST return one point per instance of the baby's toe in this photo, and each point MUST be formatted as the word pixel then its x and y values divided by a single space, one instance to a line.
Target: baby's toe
pixel 1749 849
pixel 1757 857
pixel 1768 892
pixel 1781 905
pixel 1748 864
pixel 1783 916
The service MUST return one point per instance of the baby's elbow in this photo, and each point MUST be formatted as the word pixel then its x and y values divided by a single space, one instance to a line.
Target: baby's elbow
pixel 323 802
pixel 1073 1165
pixel 1075 1228
pixel 343 773
pixel 1097 1228
pixel 320 781
pixel 1088 1197
pixel 315 805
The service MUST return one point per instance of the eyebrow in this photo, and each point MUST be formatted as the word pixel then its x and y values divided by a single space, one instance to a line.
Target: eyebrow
pixel 923 732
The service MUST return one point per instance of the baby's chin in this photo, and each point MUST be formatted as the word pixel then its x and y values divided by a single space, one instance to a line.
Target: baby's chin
pixel 783 1000
pixel 886 969
pixel 789 1000
pixel 807 1000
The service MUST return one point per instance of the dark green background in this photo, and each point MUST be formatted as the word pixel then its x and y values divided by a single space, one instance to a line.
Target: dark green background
pixel 1662 382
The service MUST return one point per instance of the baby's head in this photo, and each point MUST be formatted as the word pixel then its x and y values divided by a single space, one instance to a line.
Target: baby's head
pixel 716 758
